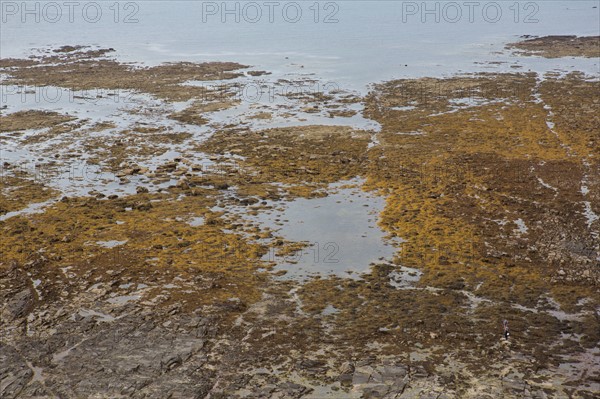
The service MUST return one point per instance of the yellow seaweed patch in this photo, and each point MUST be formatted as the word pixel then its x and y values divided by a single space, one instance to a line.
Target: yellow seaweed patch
pixel 474 184
pixel 301 160
pixel 93 69
pixel 138 236
pixel 24 120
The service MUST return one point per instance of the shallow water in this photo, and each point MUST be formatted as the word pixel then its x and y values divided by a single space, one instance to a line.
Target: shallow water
pixel 365 43
pixel 123 299
pixel 353 43
pixel 30 209
pixel 76 176
pixel 110 243
pixel 341 232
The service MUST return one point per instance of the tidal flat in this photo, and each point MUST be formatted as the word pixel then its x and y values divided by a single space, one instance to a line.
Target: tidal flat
pixel 162 236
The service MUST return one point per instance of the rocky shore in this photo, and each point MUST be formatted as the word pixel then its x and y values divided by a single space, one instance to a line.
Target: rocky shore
pixel 143 272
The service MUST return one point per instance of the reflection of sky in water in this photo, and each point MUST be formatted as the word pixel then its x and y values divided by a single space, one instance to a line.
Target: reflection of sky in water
pixel 341 230
pixel 370 42
pixel 76 176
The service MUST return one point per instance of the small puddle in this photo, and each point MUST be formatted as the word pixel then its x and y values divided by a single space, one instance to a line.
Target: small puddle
pixel 196 221
pixel 36 283
pixel 404 277
pixel 37 373
pixel 123 299
pixel 100 317
pixel 110 243
pixel 521 227
pixel 589 214
pixel 341 232
pixel 29 210
pixel 329 310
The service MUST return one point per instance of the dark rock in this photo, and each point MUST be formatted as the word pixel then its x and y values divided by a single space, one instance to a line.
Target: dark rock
pixel 375 391
pixel 347 368
pixel 345 380
pixel 19 305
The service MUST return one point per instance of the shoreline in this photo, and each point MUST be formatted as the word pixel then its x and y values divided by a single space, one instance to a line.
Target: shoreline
pixel 151 277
